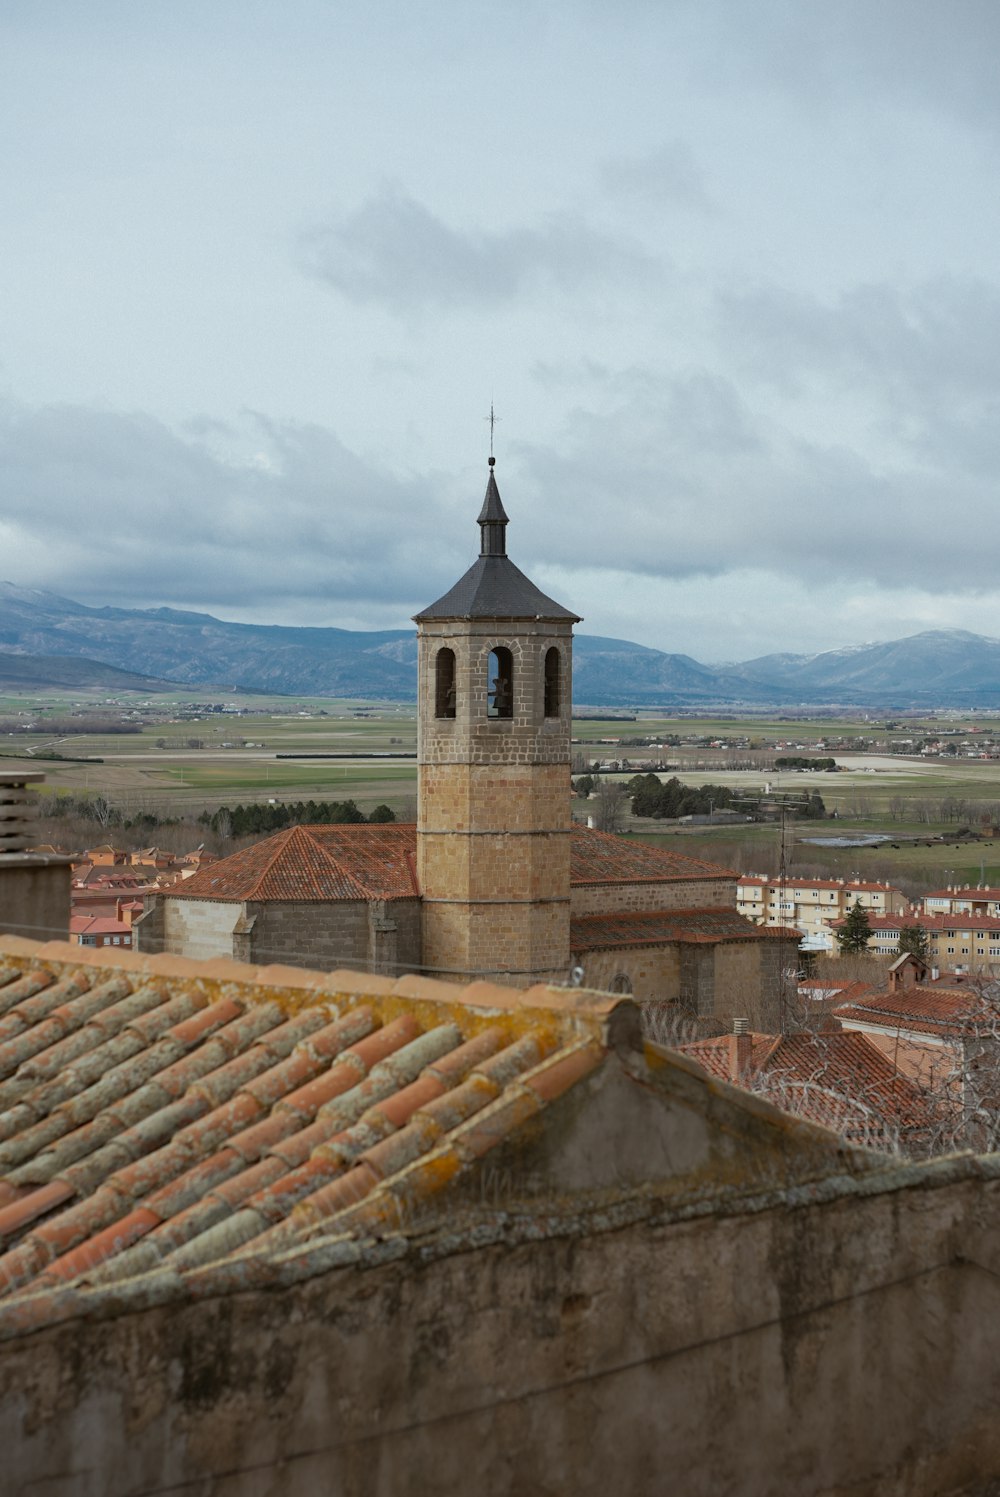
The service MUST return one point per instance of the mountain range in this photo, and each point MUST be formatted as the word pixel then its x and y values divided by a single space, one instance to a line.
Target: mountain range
pixel 46 639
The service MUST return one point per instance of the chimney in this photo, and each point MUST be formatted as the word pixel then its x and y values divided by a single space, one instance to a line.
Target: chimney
pixel 16 810
pixel 740 1050
pixel 34 887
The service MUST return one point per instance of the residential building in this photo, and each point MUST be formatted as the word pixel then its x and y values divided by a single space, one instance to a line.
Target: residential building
pixel 811 904
pixel 969 942
pixel 963 900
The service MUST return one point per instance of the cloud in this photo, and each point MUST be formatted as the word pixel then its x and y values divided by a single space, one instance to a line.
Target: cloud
pixel 703 478
pixel 111 506
pixel 924 361
pixel 394 252
pixel 669 176
pixel 917 53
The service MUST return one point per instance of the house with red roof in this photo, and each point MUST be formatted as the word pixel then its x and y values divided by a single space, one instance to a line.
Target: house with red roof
pixel 839 1078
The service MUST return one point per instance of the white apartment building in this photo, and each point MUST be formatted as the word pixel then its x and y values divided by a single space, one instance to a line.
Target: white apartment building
pixel 810 904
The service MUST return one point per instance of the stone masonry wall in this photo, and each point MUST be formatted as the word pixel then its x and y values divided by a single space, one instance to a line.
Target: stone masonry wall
pixel 312 933
pixel 201 928
pixel 652 971
pixel 843 1345
pixel 679 894
pixel 493 806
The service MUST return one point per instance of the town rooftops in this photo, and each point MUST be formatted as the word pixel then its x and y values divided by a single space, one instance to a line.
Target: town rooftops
pixel 982 892
pixel 173 1129
pixel 840 1079
pixel 757 880
pixel 362 861
pixel 966 920
pixel 932 1011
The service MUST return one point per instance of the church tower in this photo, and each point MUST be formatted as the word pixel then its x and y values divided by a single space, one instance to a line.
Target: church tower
pixel 493 819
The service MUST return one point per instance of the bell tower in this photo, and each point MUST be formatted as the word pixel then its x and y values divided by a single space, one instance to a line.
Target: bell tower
pixel 493 818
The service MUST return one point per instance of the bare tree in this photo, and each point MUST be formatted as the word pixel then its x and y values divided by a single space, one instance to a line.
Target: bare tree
pixel 610 802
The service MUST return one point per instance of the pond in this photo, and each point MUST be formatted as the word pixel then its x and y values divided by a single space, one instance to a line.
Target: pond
pixel 871 840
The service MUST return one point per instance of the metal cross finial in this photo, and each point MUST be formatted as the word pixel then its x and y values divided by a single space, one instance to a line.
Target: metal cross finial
pixel 492 419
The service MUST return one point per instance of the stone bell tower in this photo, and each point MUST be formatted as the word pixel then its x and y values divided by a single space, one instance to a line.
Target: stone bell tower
pixel 493 819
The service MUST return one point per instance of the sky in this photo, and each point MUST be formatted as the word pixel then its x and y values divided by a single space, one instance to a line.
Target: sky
pixel 728 273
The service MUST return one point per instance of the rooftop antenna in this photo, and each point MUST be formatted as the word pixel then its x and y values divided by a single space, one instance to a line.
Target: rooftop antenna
pixel 492 419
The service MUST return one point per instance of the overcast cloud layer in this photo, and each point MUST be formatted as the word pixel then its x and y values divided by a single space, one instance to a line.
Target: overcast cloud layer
pixel 728 272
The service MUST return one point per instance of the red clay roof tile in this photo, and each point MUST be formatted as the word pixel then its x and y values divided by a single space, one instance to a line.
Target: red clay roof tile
pixel 166 1113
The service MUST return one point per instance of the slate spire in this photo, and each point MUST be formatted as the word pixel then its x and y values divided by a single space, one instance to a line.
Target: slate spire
pixel 493 519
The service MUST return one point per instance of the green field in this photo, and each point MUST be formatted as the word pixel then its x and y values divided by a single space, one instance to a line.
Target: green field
pixel 186 762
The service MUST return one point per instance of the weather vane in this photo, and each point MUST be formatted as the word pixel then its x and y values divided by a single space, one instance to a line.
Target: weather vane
pixel 492 419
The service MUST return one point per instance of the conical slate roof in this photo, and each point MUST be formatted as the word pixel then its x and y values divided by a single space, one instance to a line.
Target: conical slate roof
pixel 494 587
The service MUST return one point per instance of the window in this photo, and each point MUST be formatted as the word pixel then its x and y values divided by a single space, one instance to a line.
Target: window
pixel 621 983
pixel 500 686
pixel 552 693
pixel 444 683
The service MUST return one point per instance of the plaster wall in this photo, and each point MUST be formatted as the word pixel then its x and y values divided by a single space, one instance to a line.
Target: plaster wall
pixel 840 1345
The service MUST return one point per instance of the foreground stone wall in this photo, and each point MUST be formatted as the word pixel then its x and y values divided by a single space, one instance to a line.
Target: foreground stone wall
pixel 845 1343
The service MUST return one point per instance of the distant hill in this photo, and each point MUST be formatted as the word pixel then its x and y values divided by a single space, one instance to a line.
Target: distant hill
pixel 29 672
pixel 945 667
pixel 940 668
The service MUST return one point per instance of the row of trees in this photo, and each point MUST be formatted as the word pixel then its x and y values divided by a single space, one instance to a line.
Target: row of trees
pixel 256 819
pixel 661 799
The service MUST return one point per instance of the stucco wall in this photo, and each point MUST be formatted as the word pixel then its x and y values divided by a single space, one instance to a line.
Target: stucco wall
pixel 843 1345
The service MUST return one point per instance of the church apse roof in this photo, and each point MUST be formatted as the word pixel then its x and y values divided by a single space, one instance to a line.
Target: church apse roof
pixel 314 863
pixel 605 858
pixel 362 861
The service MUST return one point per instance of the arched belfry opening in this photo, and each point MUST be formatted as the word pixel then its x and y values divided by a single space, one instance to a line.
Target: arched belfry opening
pixel 500 691
pixel 444 683
pixel 553 671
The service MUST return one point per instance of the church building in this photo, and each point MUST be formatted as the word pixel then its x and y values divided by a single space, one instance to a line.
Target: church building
pixel 494 881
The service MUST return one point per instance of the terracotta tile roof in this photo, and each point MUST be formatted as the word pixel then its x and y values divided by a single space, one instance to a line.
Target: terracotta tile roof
pixel 964 921
pixel 930 1010
pixel 986 893
pixel 604 858
pixel 599 932
pixel 841 1080
pixel 164 1113
pixel 97 925
pixel 356 861
pixel 314 863
pixel 853 886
